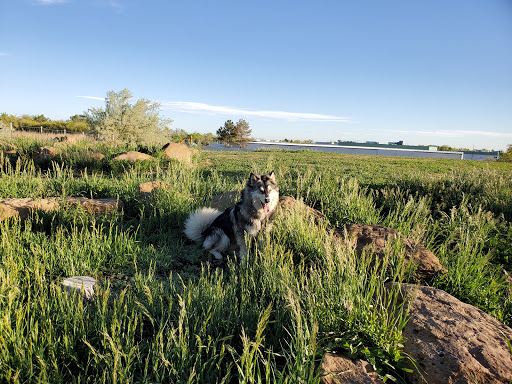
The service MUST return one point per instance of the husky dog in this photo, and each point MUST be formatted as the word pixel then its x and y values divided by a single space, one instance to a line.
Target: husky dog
pixel 224 232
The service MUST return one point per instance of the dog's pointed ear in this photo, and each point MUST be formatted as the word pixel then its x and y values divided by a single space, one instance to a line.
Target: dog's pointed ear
pixel 272 176
pixel 253 178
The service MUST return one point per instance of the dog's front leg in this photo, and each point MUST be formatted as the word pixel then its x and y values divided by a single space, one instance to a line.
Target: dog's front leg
pixel 242 252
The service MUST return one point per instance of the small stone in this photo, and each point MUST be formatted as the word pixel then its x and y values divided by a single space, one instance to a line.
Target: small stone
pixel 82 284
pixel 150 187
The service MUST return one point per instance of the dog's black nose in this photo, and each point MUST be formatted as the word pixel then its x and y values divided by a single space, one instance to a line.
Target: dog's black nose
pixel 267 200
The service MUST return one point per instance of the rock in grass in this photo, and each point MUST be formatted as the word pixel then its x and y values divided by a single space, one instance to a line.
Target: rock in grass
pixel 454 342
pixel 82 285
pixel 288 203
pixel 11 154
pixel 133 156
pixel 94 154
pixel 376 237
pixel 339 369
pixel 178 152
pixel 22 207
pixel 150 188
pixel 44 154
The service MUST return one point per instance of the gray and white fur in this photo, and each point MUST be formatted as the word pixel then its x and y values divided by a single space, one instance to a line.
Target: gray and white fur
pixel 224 232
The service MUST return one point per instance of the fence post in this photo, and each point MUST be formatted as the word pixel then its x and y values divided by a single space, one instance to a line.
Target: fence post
pixel 64 132
pixel 41 129
pixel 11 130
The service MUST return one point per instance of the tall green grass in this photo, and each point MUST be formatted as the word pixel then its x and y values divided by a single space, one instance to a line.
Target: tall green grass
pixel 164 312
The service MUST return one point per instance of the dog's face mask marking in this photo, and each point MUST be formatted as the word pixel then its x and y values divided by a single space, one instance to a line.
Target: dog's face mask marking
pixel 264 190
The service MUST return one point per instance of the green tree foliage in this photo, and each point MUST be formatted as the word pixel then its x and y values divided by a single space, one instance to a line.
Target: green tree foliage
pixel 135 123
pixel 507 156
pixel 242 133
pixel 227 133
pixel 447 148
pixel 239 133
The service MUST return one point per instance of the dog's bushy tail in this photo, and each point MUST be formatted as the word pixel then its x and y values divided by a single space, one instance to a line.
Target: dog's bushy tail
pixel 199 221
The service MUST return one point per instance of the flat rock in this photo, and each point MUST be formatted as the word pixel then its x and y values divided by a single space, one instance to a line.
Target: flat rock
pixel 178 152
pixel 376 237
pixel 83 285
pixel 22 207
pixel 133 156
pixel 10 153
pixel 336 369
pixel 454 342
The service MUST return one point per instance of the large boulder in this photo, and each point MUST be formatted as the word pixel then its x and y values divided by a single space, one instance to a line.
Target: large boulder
pixel 336 369
pixel 454 342
pixel 178 152
pixel 377 238
pixel 133 156
pixel 22 207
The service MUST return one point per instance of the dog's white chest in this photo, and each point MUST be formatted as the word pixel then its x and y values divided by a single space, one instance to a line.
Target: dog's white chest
pixel 253 229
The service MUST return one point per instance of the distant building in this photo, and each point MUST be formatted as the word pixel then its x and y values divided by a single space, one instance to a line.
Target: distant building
pixel 365 149
pixel 362 149
pixel 481 155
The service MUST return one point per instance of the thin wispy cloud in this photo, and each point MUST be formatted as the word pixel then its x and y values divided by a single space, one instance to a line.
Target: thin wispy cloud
pixel 92 97
pixel 212 110
pixel 4 54
pixel 207 109
pixel 458 133
pixel 50 2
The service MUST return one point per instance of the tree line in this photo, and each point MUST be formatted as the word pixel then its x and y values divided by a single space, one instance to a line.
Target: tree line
pixel 133 122
pixel 75 123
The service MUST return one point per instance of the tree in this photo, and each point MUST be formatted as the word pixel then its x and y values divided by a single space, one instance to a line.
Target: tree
pixel 227 133
pixel 507 155
pixel 242 133
pixel 138 123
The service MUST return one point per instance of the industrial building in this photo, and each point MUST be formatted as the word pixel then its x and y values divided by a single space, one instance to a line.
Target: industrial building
pixel 368 148
pixel 363 149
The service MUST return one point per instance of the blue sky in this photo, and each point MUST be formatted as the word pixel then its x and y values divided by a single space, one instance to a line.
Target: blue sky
pixel 425 72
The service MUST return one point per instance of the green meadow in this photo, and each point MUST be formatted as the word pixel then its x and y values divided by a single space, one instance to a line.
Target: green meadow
pixel 165 312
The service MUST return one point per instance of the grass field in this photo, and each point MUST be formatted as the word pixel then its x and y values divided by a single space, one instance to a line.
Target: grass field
pixel 164 311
